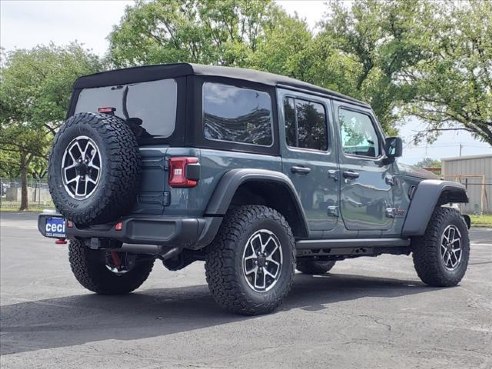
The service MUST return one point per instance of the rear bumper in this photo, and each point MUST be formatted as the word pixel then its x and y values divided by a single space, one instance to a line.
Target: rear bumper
pixel 191 233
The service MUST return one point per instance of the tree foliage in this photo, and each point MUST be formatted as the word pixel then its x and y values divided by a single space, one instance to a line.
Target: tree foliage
pixel 221 32
pixel 363 50
pixel 37 83
pixel 429 163
pixel 35 92
pixel 283 47
pixel 430 59
pixel 453 83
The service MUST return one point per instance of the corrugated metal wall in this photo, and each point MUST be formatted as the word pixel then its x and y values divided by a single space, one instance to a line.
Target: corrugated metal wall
pixel 475 172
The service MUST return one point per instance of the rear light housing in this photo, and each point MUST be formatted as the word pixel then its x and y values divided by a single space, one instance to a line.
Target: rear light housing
pixel 184 171
pixel 106 110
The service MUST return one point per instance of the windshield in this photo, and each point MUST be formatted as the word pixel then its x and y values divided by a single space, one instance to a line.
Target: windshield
pixel 150 107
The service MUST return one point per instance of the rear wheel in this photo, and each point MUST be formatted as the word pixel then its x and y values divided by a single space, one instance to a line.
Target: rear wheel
pixel 314 267
pixel 250 266
pixel 441 255
pixel 108 272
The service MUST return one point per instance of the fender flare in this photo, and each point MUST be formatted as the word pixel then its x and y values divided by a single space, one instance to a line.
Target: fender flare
pixel 429 194
pixel 234 178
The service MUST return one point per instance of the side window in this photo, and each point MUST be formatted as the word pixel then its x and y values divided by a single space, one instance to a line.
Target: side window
pixel 237 114
pixel 358 135
pixel 290 121
pixel 305 124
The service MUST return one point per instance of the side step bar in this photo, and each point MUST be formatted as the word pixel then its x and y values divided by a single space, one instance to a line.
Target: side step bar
pixel 350 248
pixel 351 243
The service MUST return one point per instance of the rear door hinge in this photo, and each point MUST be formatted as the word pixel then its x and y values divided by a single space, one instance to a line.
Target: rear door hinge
pixel 333 173
pixel 332 210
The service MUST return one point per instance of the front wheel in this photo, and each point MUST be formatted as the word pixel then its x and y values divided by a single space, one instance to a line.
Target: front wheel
pixel 108 272
pixel 441 256
pixel 250 265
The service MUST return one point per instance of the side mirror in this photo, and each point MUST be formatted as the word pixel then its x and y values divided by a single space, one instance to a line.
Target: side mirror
pixel 393 147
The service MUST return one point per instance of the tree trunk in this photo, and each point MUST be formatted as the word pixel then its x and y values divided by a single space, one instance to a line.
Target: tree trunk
pixel 23 173
pixel 24 164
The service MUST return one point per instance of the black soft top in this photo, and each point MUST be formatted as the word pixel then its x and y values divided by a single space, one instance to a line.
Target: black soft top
pixel 162 71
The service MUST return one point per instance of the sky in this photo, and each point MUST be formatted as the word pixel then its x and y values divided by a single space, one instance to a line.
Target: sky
pixel 25 24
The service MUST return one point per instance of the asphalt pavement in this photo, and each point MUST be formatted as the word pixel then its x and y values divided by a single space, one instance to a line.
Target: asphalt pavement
pixel 366 313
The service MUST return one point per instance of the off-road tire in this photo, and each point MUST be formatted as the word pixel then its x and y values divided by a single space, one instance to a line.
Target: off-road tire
pixel 224 268
pixel 427 250
pixel 89 267
pixel 116 191
pixel 314 267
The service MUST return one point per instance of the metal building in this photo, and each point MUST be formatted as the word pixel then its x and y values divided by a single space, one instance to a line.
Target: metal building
pixel 475 172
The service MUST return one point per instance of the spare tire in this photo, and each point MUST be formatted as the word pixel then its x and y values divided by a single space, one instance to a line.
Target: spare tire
pixel 93 168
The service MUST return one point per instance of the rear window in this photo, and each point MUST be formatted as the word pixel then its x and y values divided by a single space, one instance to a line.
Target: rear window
pixel 151 105
pixel 237 114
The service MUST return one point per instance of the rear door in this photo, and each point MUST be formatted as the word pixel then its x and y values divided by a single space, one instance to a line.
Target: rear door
pixel 366 181
pixel 309 156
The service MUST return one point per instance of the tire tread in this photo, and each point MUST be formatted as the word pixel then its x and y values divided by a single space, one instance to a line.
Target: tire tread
pixel 426 252
pixel 90 271
pixel 123 164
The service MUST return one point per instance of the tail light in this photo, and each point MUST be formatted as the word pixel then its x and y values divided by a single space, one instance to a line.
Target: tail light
pixel 184 172
pixel 106 110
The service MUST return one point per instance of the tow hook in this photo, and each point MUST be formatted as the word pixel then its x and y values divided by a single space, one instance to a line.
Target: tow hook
pixel 61 241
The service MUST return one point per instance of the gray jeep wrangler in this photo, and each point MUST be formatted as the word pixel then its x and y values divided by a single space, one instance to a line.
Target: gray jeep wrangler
pixel 254 173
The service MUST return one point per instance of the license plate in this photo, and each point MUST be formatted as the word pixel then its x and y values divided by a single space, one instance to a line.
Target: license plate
pixel 55 227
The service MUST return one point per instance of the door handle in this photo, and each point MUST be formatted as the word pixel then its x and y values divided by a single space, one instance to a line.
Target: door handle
pixel 349 174
pixel 300 169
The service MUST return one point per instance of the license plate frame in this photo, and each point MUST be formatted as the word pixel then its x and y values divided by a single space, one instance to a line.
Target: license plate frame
pixel 55 227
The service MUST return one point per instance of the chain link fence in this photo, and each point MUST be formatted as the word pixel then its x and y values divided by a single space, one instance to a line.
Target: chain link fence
pixel 38 195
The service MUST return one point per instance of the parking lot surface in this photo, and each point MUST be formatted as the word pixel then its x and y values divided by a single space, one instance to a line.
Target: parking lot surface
pixel 366 313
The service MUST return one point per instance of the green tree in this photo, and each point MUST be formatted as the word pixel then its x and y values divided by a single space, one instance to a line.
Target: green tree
pixel 429 163
pixel 364 49
pixel 8 165
pixel 35 92
pixel 23 144
pixel 453 84
pixel 283 47
pixel 424 58
pixel 201 31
